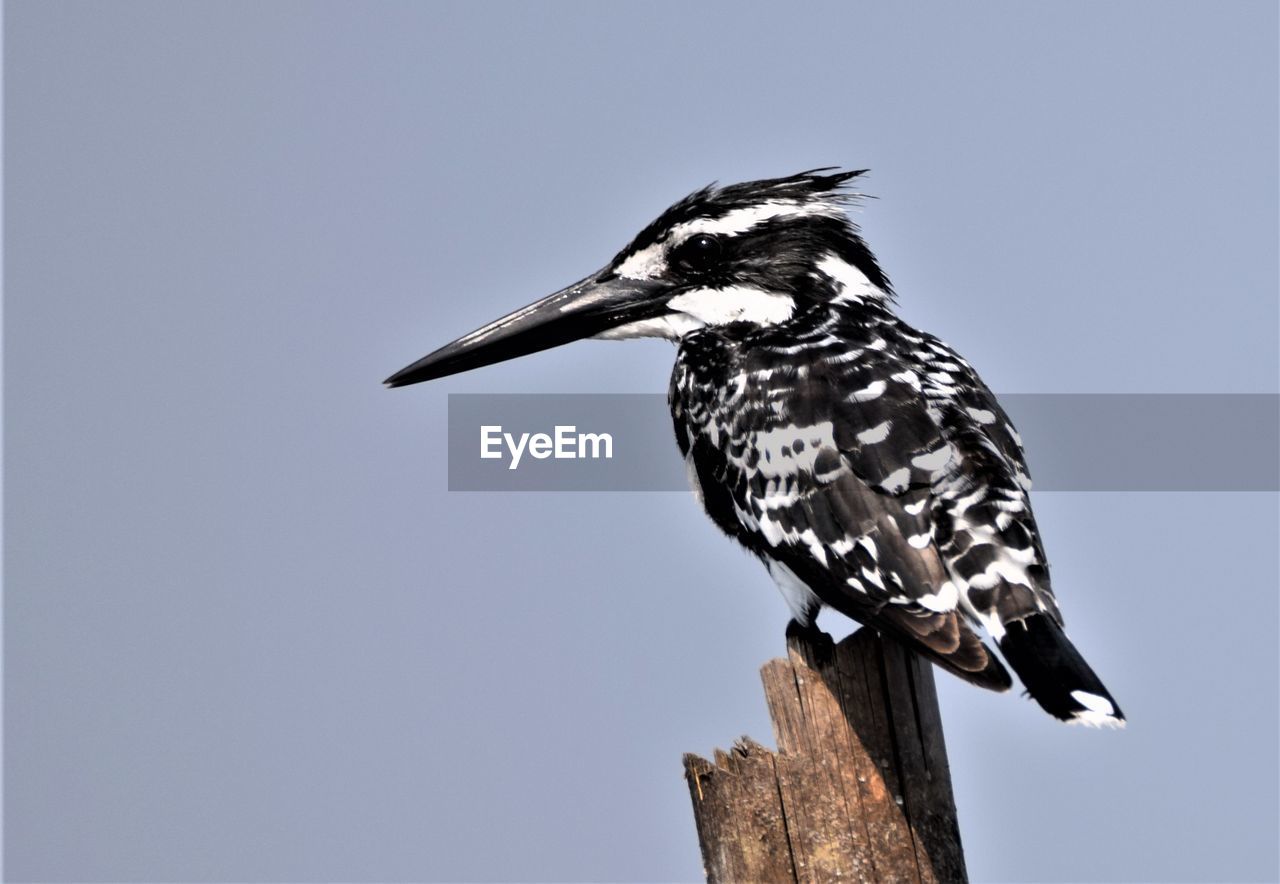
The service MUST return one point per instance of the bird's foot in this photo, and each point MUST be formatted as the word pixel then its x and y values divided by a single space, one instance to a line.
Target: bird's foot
pixel 815 645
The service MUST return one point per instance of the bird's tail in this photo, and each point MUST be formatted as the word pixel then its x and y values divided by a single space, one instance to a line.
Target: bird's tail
pixel 1055 674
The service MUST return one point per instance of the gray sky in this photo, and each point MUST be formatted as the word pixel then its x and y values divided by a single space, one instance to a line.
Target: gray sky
pixel 250 636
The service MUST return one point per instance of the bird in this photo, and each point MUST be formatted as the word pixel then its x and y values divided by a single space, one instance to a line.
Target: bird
pixel 864 462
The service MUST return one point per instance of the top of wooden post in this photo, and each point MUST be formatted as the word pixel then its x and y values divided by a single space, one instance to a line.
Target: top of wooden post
pixel 859 788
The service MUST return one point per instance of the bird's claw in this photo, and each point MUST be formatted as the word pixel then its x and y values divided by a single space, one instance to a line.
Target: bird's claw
pixel 816 645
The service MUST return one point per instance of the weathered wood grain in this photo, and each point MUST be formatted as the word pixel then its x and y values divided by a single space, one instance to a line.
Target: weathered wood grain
pixel 859 789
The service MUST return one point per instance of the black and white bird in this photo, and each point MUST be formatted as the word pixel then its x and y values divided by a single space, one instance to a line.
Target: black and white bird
pixel 863 462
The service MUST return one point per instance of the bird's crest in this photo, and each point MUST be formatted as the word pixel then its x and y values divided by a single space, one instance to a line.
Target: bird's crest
pixel 810 189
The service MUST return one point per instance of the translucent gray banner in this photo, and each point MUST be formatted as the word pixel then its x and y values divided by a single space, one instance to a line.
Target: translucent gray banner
pixel 1074 442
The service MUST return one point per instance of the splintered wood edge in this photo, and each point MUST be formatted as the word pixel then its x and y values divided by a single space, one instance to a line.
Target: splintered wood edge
pixel 738 811
pixel 783 696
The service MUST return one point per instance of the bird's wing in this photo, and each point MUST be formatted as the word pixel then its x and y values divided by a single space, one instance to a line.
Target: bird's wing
pixel 985 529
pixel 832 475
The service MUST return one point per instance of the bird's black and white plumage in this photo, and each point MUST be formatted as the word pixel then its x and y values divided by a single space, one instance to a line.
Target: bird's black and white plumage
pixel 862 461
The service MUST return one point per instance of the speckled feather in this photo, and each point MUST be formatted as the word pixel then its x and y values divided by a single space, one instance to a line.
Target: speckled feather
pixel 870 460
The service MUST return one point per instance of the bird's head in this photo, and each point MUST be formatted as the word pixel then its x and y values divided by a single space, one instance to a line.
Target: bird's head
pixel 756 252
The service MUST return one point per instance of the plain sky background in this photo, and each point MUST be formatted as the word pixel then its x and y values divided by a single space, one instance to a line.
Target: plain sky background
pixel 250 636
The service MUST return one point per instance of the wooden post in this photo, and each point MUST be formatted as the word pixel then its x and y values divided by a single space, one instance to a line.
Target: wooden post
pixel 859 789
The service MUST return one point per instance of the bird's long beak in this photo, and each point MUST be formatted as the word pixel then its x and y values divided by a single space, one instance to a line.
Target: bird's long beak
pixel 588 307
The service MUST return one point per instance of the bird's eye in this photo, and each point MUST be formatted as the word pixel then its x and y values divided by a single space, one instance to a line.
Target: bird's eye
pixel 698 253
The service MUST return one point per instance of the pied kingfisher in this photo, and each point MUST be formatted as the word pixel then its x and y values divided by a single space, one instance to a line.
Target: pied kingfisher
pixel 863 462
